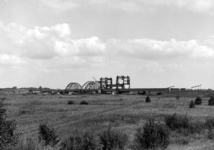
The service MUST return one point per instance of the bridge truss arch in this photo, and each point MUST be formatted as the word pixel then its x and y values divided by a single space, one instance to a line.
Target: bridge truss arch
pixel 73 86
pixel 91 85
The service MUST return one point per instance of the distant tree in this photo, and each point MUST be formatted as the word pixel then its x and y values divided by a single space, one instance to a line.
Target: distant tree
pixel 15 87
pixel 40 88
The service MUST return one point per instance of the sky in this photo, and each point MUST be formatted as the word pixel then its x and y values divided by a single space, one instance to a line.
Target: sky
pixel 157 43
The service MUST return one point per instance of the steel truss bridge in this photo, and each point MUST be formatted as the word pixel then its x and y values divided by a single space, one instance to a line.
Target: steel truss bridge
pixel 105 85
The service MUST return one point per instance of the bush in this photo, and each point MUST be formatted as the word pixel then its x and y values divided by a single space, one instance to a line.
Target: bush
pixel 70 102
pixel 177 97
pixel 83 103
pixel 152 136
pixel 8 138
pixel 159 93
pixel 182 124
pixel 176 121
pixel 209 123
pixel 148 99
pixel 27 144
pixel 192 104
pixel 113 139
pixel 86 141
pixel 48 135
pixel 211 101
pixel 198 101
pixel 72 143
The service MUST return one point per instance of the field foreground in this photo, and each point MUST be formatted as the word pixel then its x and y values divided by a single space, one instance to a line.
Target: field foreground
pixel 122 112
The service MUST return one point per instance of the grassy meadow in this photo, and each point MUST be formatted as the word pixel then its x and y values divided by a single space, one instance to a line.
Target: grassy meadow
pixel 122 112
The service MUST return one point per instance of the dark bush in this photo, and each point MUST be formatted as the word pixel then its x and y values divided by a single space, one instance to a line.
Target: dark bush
pixel 152 136
pixel 192 104
pixel 211 101
pixel 70 102
pixel 85 141
pixel 210 135
pixel 182 124
pixel 113 139
pixel 148 99
pixel 175 121
pixel 83 103
pixel 198 101
pixel 8 137
pixel 48 135
pixel 177 97
pixel 159 93
pixel 210 123
pixel 72 143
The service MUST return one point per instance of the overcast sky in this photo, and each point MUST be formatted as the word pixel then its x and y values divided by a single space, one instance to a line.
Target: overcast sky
pixel 158 43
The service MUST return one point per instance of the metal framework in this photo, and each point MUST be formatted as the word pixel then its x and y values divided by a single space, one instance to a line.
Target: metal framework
pixel 196 87
pixel 91 85
pixel 105 86
pixel 122 82
pixel 73 86
pixel 106 83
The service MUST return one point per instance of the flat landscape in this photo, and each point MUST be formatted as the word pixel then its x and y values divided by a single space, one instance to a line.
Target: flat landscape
pixel 122 112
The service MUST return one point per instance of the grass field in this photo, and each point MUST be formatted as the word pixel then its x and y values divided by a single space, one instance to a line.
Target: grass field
pixel 123 112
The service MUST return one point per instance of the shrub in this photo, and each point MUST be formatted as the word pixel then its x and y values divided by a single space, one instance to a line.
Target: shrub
pixel 70 102
pixel 91 141
pixel 182 124
pixel 159 93
pixel 176 121
pixel 192 104
pixel 27 144
pixel 177 97
pixel 210 123
pixel 113 139
pixel 148 99
pixel 83 103
pixel 152 136
pixel 85 141
pixel 198 101
pixel 8 138
pixel 48 135
pixel 210 135
pixel 72 143
pixel 211 101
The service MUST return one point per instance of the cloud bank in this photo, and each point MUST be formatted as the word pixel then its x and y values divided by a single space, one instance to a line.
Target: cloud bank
pixel 55 42
pixel 198 6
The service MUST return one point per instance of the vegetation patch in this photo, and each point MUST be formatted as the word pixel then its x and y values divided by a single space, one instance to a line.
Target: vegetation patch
pixel 113 139
pixel 211 101
pixel 182 124
pixel 48 135
pixel 8 137
pixel 148 100
pixel 153 135
pixel 192 104
pixel 198 100
pixel 83 102
pixel 70 102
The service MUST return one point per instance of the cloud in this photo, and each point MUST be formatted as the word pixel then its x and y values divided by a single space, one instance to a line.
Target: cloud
pixel 10 60
pixel 49 42
pixel 206 6
pixel 48 49
pixel 154 49
pixel 59 5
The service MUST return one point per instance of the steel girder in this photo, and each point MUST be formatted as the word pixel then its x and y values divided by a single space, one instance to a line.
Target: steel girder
pixel 73 86
pixel 90 85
